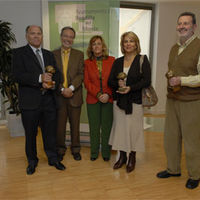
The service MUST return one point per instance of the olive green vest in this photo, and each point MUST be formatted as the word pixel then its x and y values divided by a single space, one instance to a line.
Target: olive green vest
pixel 185 64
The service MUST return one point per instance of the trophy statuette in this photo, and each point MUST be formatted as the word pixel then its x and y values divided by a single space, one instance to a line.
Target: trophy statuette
pixel 50 69
pixel 121 76
pixel 169 75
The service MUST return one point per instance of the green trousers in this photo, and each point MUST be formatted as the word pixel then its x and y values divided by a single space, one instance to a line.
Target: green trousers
pixel 100 116
pixel 183 123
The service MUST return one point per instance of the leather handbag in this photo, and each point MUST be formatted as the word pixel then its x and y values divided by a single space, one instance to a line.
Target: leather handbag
pixel 149 96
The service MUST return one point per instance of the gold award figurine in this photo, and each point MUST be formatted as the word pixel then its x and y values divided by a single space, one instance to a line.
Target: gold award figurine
pixel 50 69
pixel 121 76
pixel 169 75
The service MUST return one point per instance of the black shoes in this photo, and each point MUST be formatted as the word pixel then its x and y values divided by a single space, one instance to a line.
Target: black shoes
pixel 30 169
pixel 106 159
pixel 77 156
pixel 57 165
pixel 166 174
pixel 191 184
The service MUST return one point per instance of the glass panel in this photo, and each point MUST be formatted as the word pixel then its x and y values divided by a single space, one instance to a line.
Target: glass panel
pixel 138 21
pixel 88 18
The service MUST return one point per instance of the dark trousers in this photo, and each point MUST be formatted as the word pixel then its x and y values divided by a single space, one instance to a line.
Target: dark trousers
pixel 66 112
pixel 45 117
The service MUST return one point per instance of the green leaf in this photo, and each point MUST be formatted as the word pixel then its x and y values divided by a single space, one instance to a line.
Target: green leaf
pixel 8 87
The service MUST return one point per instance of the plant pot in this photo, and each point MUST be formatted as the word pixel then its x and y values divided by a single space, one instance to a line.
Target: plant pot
pixel 14 125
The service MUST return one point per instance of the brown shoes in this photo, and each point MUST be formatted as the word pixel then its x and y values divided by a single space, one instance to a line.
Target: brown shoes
pixel 131 162
pixel 122 160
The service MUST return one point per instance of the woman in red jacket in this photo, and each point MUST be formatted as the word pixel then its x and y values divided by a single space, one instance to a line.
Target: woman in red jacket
pixel 99 101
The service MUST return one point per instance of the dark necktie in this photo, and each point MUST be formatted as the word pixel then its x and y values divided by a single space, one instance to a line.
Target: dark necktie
pixel 40 59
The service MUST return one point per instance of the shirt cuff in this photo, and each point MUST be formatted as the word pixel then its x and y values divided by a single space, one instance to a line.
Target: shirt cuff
pixel 72 87
pixel 40 78
pixel 191 81
pixel 62 89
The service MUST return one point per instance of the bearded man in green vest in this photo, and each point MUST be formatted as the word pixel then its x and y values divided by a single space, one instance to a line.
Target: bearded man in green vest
pixel 183 103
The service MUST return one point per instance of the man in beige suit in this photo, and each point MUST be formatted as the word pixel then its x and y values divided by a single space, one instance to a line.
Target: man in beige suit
pixel 70 62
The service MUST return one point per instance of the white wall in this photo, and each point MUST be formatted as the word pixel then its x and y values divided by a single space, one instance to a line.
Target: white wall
pixel 166 36
pixel 24 12
pixel 21 13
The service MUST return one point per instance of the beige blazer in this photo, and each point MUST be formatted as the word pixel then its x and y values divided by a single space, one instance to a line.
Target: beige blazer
pixel 74 74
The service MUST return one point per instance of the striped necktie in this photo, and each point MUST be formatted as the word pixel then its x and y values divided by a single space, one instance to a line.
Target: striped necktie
pixel 40 60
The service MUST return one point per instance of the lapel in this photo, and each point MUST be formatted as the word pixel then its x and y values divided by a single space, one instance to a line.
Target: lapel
pixel 58 58
pixel 95 70
pixel 133 65
pixel 104 66
pixel 72 57
pixel 121 64
pixel 32 56
pixel 59 65
pixel 45 57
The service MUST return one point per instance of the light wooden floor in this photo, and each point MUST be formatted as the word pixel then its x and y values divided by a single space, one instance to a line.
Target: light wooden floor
pixel 86 179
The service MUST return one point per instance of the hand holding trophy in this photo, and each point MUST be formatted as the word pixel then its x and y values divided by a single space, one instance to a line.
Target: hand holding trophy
pixel 50 69
pixel 121 76
pixel 170 75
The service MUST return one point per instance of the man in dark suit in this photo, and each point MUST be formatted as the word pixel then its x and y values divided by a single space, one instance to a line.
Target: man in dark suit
pixel 70 62
pixel 36 96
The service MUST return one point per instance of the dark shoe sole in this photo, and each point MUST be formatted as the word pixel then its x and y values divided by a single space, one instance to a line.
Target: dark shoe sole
pixel 130 168
pixel 93 159
pixel 191 184
pixel 106 159
pixel 165 174
pixel 30 170
pixel 58 166
pixel 77 156
pixel 119 166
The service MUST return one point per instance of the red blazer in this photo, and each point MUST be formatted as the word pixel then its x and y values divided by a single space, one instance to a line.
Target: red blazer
pixel 91 79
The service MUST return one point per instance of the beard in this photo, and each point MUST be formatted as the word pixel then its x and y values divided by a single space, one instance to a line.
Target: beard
pixel 186 34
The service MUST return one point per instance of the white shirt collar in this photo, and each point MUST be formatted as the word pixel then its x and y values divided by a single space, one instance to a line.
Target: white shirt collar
pixel 34 49
pixel 188 41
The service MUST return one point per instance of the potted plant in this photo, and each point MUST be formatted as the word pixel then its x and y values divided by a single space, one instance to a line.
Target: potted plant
pixel 8 87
